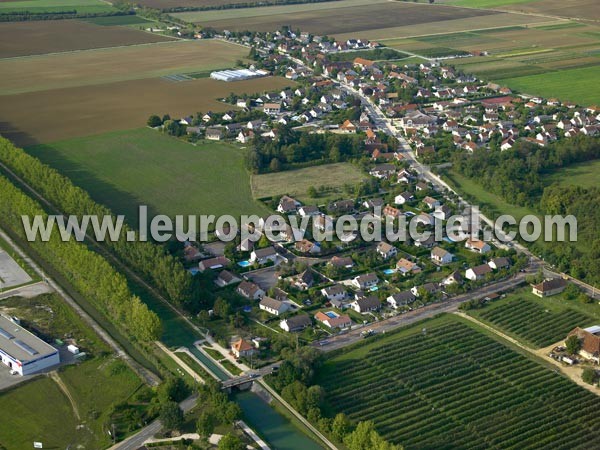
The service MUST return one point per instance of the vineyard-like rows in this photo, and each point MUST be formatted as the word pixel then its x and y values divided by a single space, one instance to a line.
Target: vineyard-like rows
pixel 530 321
pixel 454 387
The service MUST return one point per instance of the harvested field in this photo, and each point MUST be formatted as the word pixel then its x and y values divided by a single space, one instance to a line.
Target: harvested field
pixel 116 64
pixel 46 116
pixel 244 13
pixel 168 4
pixel 580 9
pixel 52 36
pixel 415 29
pixel 351 19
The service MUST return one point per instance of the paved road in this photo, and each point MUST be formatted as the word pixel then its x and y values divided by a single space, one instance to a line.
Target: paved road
pixel 428 311
pixel 136 441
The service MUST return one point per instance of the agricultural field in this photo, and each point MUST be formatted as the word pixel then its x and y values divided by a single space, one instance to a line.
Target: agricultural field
pixel 444 384
pixel 169 4
pixel 354 19
pixel 109 65
pixel 296 182
pixel 58 114
pixel 55 6
pixel 576 85
pixel 144 167
pixel 52 36
pixel 586 175
pixel 538 322
pixel 580 9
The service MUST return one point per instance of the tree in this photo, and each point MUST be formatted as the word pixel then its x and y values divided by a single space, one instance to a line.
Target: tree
pixel 230 442
pixel 573 345
pixel 205 425
pixel 589 375
pixel 173 389
pixel 154 121
pixel 365 437
pixel 222 308
pixel 171 415
pixel 312 192
pixel 275 165
pixel 341 426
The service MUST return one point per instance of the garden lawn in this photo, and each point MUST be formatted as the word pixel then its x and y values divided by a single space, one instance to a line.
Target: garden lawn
pixel 125 169
pixel 585 175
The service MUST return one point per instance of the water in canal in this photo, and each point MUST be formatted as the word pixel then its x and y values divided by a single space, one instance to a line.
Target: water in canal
pixel 277 430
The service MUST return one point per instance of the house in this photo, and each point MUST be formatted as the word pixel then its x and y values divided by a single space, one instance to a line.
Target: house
pixel 308 210
pixel 478 272
pixel 404 266
pixel 335 292
pixel 287 205
pixel 366 304
pixel 549 287
pixel 341 261
pixel 272 108
pixel 403 198
pixel 442 212
pixel 306 246
pixel 214 134
pixel 273 306
pixel 295 323
pixel 213 263
pixel 590 342
pixel 227 278
pixel 431 202
pixel 441 256
pixel 373 203
pixel 347 127
pixel 421 186
pixel 429 288
pixel 332 319
pixel 454 278
pixel 242 348
pixel 365 281
pixel 391 212
pixel 477 246
pixel 499 263
pixel 404 176
pixel 263 255
pixel 383 170
pixel 386 250
pixel 250 290
pixel 400 299
pixel 304 280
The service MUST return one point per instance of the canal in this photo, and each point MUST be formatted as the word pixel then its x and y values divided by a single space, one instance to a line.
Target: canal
pixel 275 428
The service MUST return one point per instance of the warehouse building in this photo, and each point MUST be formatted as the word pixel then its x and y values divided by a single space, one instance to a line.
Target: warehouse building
pixel 22 351
pixel 237 74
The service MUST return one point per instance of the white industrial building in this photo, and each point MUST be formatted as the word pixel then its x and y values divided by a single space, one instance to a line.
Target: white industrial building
pixel 22 351
pixel 237 74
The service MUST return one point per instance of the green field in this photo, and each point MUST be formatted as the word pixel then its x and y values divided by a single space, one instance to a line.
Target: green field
pixel 576 85
pixel 55 6
pixel 483 198
pixel 296 182
pixel 585 174
pixel 39 410
pixel 538 322
pixel 126 169
pixel 452 386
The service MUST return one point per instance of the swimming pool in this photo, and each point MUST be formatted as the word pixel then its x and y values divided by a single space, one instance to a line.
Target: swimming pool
pixel 194 270
pixel 374 288
pixel 389 271
pixel 331 314
pixel 244 263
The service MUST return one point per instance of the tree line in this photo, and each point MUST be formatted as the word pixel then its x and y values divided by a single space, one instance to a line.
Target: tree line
pixel 148 259
pixel 293 148
pixel 86 270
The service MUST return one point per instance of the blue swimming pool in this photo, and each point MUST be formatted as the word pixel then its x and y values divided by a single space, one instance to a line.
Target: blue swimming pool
pixel 389 271
pixel 374 288
pixel 331 314
pixel 244 263
pixel 194 270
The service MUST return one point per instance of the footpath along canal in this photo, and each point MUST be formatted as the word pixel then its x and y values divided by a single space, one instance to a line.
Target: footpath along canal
pixel 277 430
